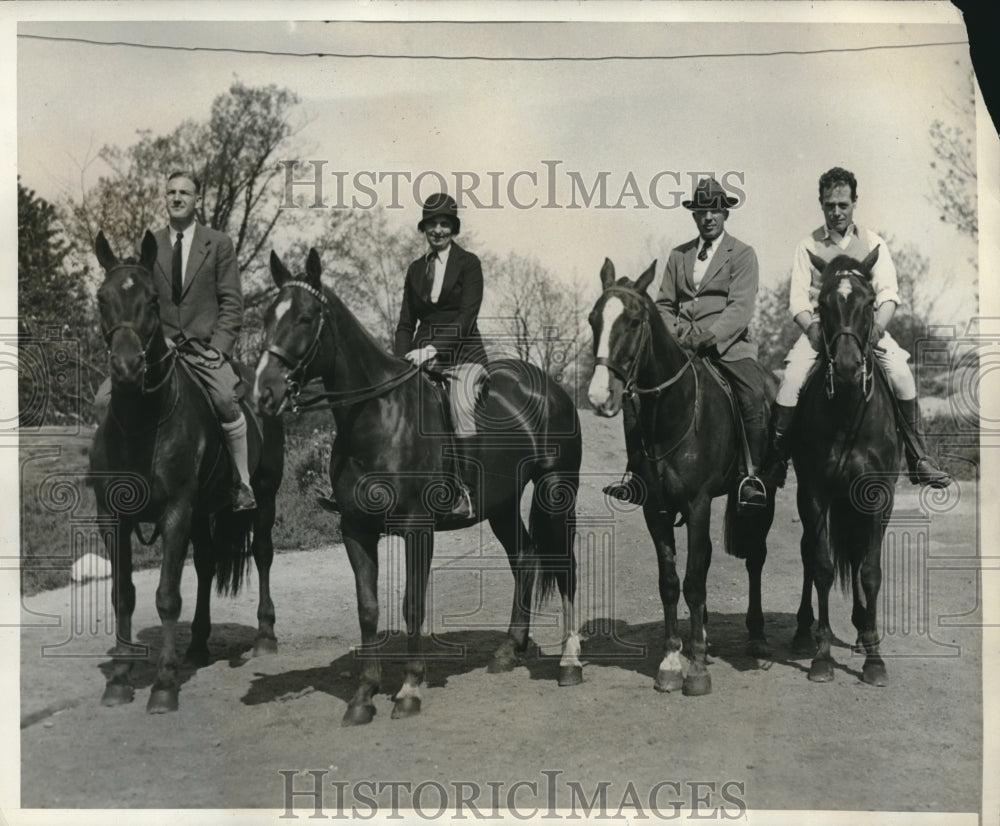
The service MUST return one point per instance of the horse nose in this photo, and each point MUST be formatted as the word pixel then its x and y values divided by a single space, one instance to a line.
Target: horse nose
pixel 125 367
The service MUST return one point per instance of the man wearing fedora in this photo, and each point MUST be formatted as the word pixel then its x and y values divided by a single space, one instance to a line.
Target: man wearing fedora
pixel 707 299
pixel 438 318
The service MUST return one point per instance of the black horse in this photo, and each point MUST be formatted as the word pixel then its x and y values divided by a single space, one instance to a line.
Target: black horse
pixel 390 468
pixel 160 456
pixel 690 451
pixel 847 463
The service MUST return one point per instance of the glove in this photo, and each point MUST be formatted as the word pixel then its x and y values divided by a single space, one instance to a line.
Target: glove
pixel 421 354
pixel 699 342
pixel 815 334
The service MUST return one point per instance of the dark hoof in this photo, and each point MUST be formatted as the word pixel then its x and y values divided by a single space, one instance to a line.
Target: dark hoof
pixel 803 645
pixel 117 694
pixel 358 715
pixel 264 646
pixel 501 664
pixel 669 681
pixel 570 674
pixel 821 671
pixel 162 700
pixel 697 685
pixel 875 674
pixel 196 658
pixel 760 650
pixel 406 707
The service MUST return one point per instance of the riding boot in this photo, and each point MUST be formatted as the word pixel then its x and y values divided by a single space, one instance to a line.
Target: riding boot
pixel 630 488
pixel 751 492
pixel 922 468
pixel 776 465
pixel 236 433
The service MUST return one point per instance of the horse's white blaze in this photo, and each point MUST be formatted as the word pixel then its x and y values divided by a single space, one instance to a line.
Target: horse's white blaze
pixel 673 662
pixel 282 308
pixel 844 287
pixel 571 650
pixel 261 367
pixel 408 690
pixel 128 283
pixel 600 383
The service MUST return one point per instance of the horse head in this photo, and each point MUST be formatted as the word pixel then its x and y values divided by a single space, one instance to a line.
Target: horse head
pixel 847 316
pixel 620 324
pixel 293 325
pixel 129 309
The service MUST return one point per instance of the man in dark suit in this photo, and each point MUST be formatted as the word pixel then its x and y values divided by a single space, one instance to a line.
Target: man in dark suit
pixel 438 317
pixel 707 299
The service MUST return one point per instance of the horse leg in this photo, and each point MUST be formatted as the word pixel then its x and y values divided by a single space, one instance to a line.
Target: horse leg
pixel 119 689
pixel 362 551
pixel 670 676
pixel 204 565
pixel 698 681
pixel 816 533
pixel 419 550
pixel 263 554
pixel 867 581
pixel 755 527
pixel 803 644
pixel 508 527
pixel 176 533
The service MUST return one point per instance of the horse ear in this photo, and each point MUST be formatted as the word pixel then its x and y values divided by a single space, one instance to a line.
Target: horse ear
pixel 816 261
pixel 147 256
pixel 313 268
pixel 105 256
pixel 869 262
pixel 644 280
pixel 278 271
pixel 607 274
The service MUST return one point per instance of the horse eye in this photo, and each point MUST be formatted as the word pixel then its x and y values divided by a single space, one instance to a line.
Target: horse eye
pixel 635 322
pixel 305 319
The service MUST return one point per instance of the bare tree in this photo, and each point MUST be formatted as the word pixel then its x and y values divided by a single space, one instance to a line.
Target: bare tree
pixel 955 150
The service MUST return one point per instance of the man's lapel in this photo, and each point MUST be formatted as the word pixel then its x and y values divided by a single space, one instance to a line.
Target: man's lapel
pixel 200 246
pixel 689 257
pixel 720 254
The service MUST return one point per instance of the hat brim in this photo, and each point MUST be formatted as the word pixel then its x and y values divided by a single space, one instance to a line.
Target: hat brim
pixel 725 202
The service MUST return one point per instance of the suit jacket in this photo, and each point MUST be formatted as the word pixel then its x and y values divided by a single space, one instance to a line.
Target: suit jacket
pixel 450 324
pixel 724 301
pixel 211 308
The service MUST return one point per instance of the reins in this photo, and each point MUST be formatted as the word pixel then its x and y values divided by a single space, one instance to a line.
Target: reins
pixel 297 368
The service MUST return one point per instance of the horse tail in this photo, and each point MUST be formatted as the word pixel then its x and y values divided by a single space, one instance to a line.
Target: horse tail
pixel 844 542
pixel 232 534
pixel 552 525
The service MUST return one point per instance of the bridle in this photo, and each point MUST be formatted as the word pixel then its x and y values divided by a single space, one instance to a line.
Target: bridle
pixel 867 364
pixel 108 335
pixel 297 367
pixel 632 389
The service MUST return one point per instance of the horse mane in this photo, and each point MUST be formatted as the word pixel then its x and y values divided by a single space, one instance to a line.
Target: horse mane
pixel 843 266
pixel 345 311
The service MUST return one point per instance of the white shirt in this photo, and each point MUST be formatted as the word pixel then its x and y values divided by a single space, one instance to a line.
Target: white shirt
pixel 439 268
pixel 186 241
pixel 700 267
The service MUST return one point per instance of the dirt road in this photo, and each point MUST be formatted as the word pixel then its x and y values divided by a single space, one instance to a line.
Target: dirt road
pixel 765 739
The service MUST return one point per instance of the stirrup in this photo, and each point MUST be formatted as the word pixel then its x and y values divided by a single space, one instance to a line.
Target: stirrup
pixel 751 494
pixel 925 472
pixel 463 507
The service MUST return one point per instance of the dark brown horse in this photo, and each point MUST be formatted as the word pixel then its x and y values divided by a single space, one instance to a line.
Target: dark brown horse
pixel 160 456
pixel 690 455
pixel 390 468
pixel 846 454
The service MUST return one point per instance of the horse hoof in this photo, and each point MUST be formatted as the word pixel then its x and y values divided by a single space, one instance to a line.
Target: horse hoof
pixel 697 685
pixel 162 700
pixel 359 715
pixel 570 675
pixel 117 694
pixel 803 645
pixel 265 646
pixel 821 671
pixel 875 674
pixel 500 665
pixel 667 681
pixel 196 658
pixel 760 650
pixel 406 707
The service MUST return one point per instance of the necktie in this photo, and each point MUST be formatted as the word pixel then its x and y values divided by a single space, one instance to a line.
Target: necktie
pixel 705 247
pixel 432 263
pixel 177 271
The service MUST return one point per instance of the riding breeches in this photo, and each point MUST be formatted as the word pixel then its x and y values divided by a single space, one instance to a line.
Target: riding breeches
pixel 802 356
pixel 465 384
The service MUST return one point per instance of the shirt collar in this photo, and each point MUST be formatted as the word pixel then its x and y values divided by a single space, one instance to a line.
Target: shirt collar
pixel 188 230
pixel 714 244
pixel 851 230
pixel 442 255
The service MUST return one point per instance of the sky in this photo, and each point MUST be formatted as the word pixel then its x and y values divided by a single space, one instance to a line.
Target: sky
pixel 767 125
